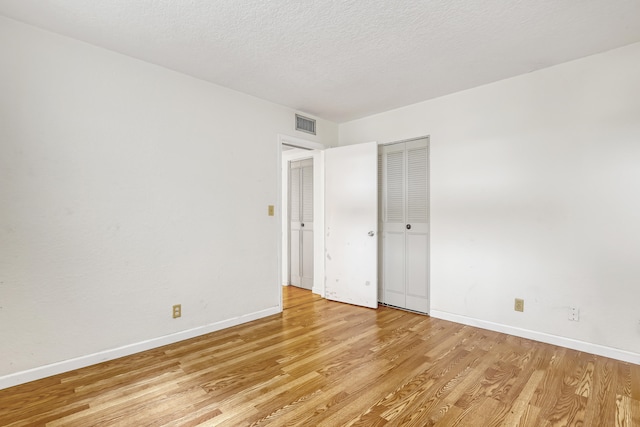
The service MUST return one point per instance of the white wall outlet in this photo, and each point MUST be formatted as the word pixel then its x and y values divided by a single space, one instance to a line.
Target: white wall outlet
pixel 574 314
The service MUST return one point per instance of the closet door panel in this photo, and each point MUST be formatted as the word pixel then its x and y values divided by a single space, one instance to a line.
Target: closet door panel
pixel 307 194
pixel 294 258
pixel 417 264
pixel 417 185
pixel 294 193
pixel 394 262
pixel 307 258
pixel 301 223
pixel 405 225
pixel 392 224
pixel 394 206
pixel 417 238
pixel 306 226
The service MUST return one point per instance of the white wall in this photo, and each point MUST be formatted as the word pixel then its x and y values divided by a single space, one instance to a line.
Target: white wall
pixel 535 194
pixel 126 188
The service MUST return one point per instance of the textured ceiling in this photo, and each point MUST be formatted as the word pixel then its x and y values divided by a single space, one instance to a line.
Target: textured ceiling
pixel 342 60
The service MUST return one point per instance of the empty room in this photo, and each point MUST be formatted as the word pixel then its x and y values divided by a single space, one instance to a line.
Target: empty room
pixel 331 213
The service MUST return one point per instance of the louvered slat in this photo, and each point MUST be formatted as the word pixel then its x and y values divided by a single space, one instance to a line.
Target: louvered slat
pixel 307 194
pixel 380 192
pixel 417 196
pixel 395 188
pixel 294 193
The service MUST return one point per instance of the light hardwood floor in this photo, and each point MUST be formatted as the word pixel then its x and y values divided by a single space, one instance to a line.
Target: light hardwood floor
pixel 323 363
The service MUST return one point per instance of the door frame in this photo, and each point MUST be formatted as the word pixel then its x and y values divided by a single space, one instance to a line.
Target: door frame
pixel 315 151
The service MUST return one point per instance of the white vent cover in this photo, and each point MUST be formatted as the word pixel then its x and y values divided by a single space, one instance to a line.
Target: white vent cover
pixel 305 124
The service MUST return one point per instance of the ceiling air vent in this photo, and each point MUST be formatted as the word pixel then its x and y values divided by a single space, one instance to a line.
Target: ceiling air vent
pixel 305 124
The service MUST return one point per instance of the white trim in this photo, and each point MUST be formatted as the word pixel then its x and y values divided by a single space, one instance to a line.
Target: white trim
pixel 318 225
pixel 115 353
pixel 600 350
pixel 299 142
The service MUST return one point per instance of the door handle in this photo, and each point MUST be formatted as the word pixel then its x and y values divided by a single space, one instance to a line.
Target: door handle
pixel 302 224
pixel 371 233
pixel 408 226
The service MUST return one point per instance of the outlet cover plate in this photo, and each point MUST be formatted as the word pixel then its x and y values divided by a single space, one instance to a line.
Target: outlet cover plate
pixel 574 314
pixel 519 305
pixel 177 311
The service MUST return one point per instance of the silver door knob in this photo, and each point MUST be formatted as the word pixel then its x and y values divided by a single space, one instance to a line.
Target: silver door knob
pixel 371 233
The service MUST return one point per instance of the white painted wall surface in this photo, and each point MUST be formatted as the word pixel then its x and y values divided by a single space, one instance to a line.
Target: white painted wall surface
pixel 126 188
pixel 535 194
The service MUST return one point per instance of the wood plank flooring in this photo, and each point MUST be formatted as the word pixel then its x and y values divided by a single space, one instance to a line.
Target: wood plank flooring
pixel 322 363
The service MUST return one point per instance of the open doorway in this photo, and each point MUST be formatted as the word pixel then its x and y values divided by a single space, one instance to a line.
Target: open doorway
pixel 294 297
pixel 345 227
pixel 310 155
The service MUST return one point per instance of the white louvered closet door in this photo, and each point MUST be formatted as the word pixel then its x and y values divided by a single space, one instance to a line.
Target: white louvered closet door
pixel 301 223
pixel 405 225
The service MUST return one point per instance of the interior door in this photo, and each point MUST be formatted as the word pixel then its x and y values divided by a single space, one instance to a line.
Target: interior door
pixel 404 227
pixel 295 273
pixel 417 228
pixel 392 230
pixel 301 223
pixel 306 225
pixel 351 219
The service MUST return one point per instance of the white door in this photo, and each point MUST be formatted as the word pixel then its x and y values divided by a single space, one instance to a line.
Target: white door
pixel 351 219
pixel 392 231
pixel 301 223
pixel 405 225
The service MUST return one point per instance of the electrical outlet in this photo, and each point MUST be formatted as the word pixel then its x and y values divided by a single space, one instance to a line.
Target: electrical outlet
pixel 177 311
pixel 574 314
pixel 519 305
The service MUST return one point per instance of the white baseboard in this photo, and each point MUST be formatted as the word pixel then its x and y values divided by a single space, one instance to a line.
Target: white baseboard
pixel 600 350
pixel 103 356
